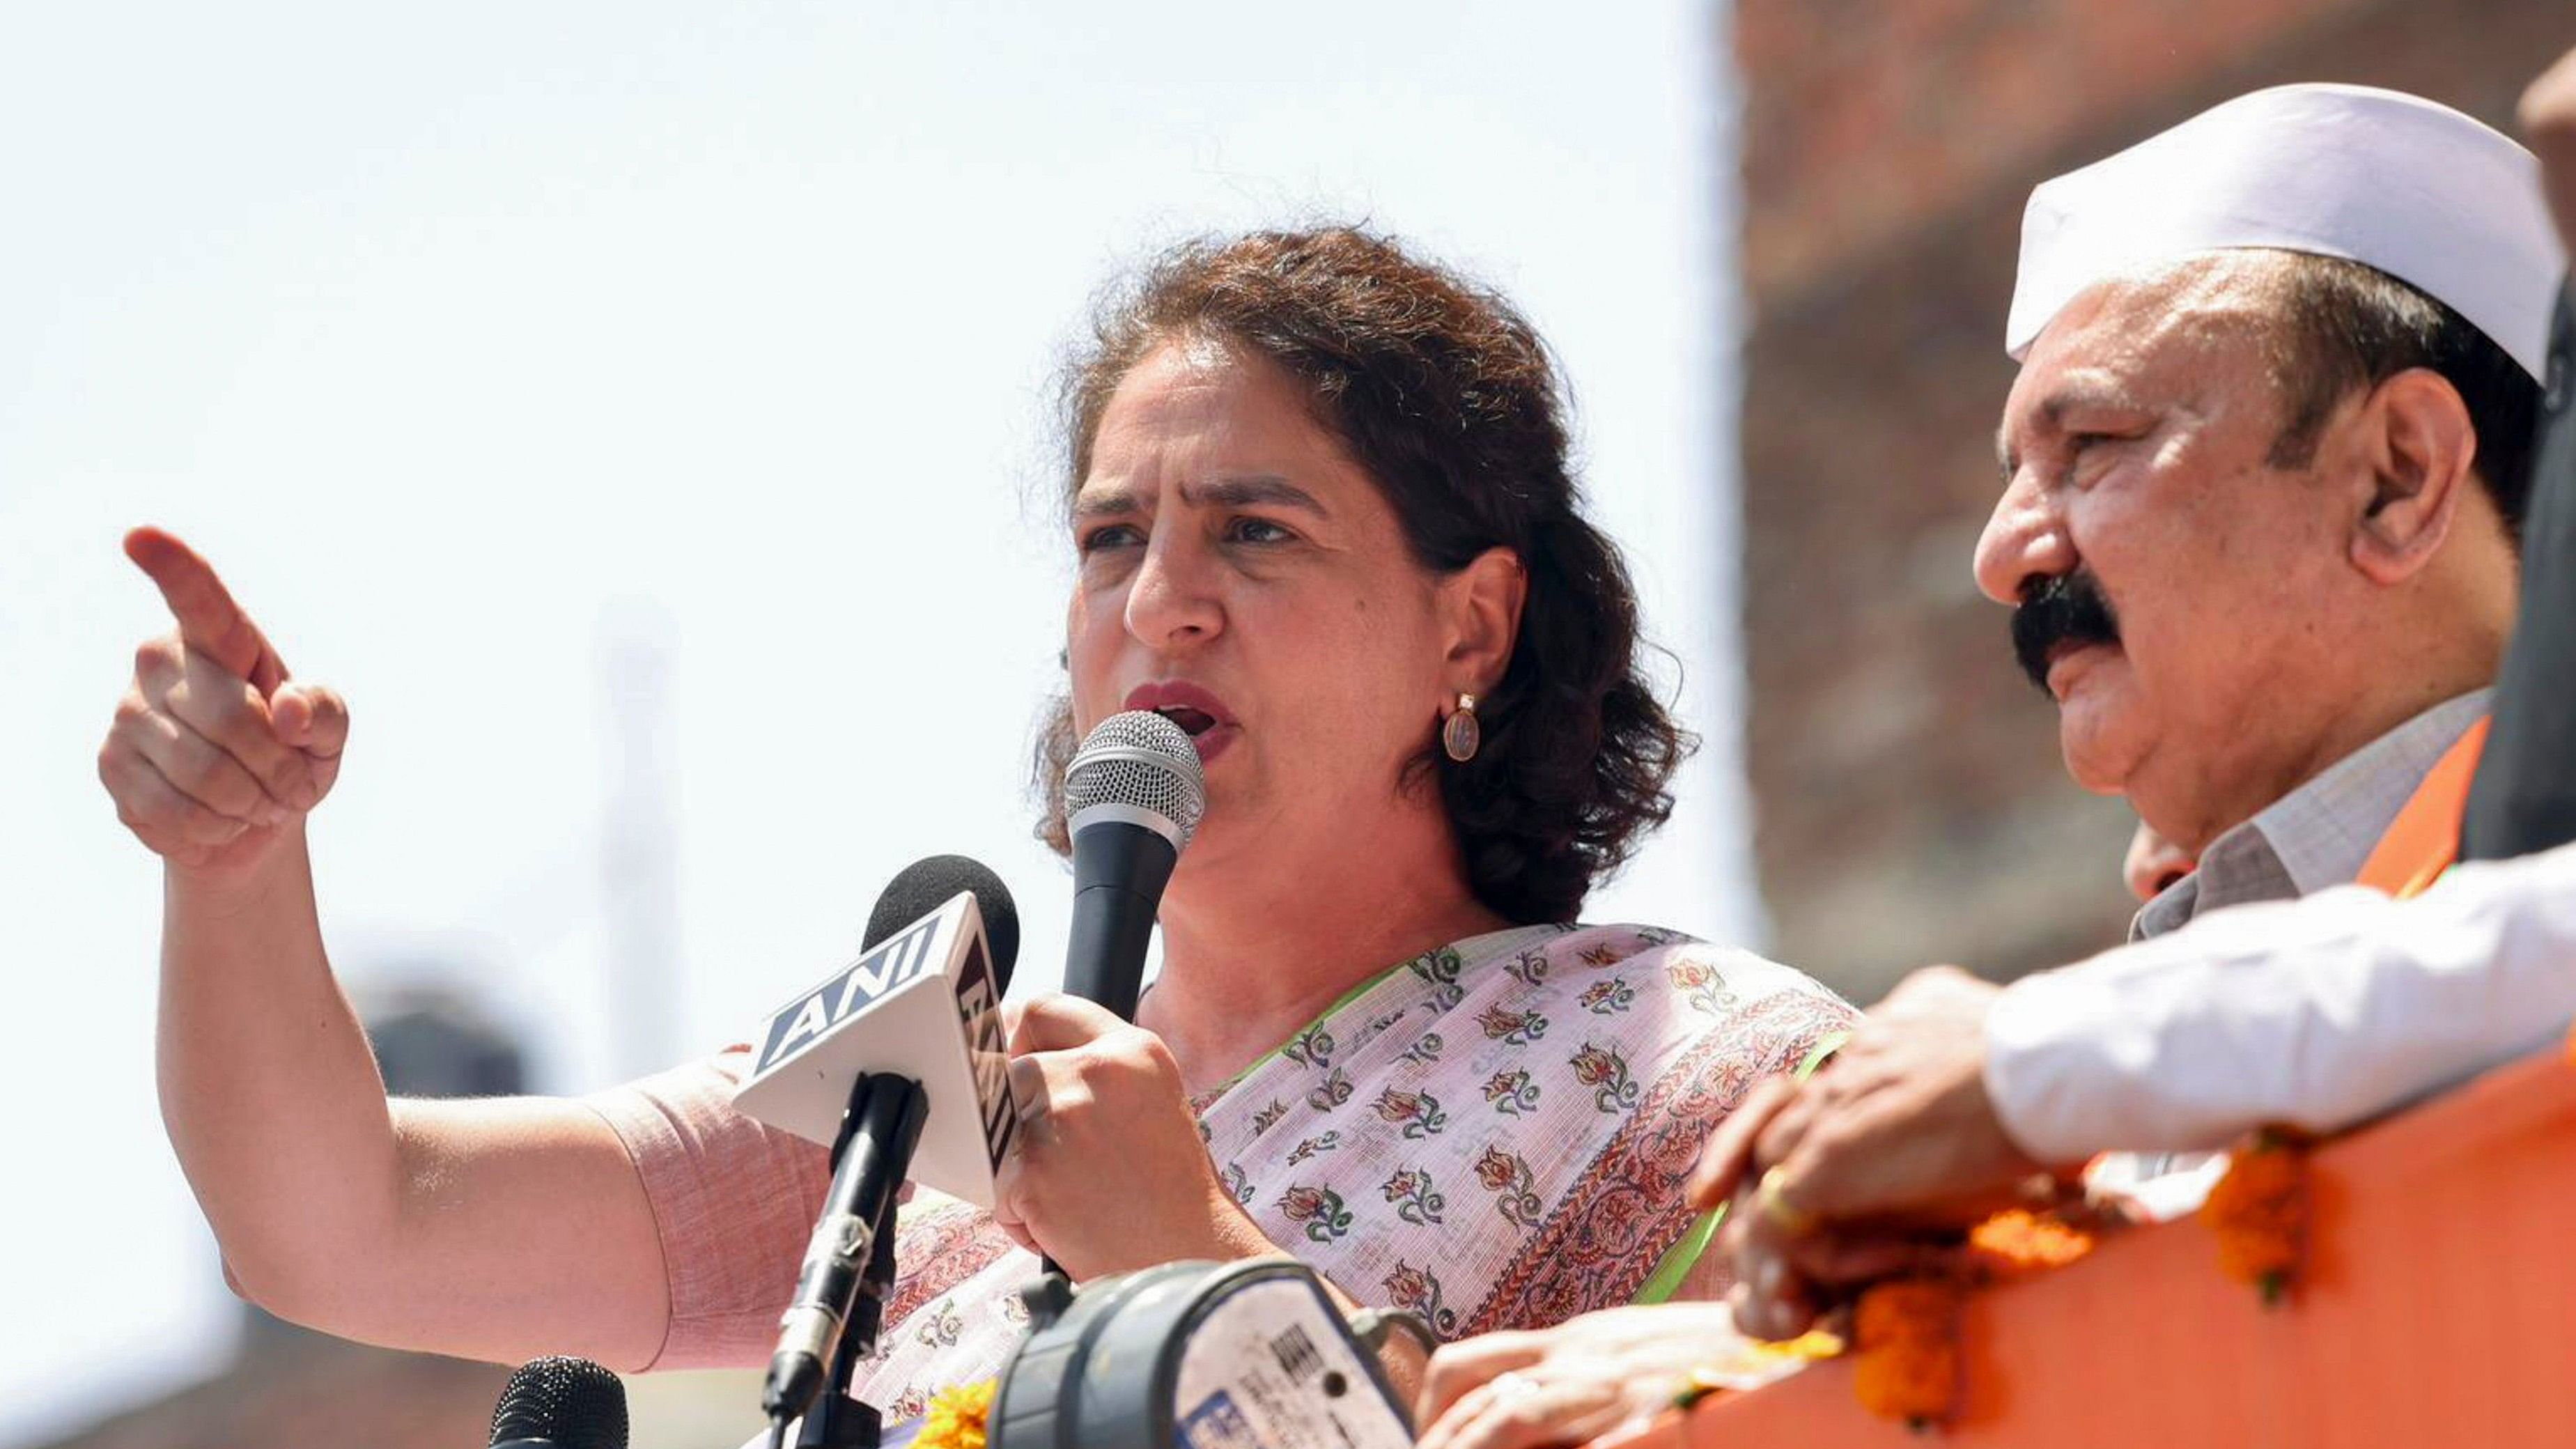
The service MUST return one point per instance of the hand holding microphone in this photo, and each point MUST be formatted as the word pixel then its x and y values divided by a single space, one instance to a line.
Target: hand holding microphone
pixel 1111 1173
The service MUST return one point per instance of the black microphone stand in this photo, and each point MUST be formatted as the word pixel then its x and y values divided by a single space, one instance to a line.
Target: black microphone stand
pixel 883 1121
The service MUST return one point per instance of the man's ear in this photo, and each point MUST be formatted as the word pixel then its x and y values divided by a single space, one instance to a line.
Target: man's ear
pixel 2415 446
pixel 1484 601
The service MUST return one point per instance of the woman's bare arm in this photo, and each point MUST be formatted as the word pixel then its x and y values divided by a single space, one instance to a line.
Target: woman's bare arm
pixel 497 1229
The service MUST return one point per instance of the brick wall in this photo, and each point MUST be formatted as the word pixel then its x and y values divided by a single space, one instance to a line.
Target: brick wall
pixel 1911 806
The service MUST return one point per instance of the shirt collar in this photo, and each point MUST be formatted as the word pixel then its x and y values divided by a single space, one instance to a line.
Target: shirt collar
pixel 2319 834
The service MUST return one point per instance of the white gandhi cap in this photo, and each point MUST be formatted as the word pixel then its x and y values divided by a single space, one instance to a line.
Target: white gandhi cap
pixel 2439 201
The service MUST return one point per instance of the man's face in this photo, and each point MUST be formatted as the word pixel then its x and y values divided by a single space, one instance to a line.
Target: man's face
pixel 2135 450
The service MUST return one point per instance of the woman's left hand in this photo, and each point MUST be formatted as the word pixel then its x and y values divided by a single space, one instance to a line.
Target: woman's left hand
pixel 1108 1173
pixel 1567 1384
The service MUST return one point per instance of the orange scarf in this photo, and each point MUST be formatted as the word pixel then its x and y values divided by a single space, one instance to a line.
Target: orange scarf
pixel 2424 839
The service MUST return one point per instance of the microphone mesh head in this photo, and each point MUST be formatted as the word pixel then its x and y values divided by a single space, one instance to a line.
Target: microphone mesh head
pixel 1140 760
pixel 571 1403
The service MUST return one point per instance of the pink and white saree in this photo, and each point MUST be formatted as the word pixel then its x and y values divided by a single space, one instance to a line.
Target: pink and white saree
pixel 1493 1134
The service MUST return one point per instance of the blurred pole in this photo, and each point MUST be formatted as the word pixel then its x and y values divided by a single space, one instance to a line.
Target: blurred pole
pixel 639 855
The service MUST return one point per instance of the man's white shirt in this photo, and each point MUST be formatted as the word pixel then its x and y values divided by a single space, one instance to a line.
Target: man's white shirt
pixel 2319 1012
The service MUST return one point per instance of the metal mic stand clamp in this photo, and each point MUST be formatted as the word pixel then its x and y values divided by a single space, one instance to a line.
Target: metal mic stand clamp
pixel 886 1115
pixel 838 1421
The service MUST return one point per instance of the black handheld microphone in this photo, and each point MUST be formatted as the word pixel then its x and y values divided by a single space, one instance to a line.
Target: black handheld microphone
pixel 1133 795
pixel 560 1403
pixel 880 1127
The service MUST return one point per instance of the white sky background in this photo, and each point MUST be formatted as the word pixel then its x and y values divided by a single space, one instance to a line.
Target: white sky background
pixel 467 340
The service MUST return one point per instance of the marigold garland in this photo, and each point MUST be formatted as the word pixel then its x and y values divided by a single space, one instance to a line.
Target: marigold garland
pixel 1910 1365
pixel 1907 1359
pixel 1906 1331
pixel 2259 1212
pixel 956 1417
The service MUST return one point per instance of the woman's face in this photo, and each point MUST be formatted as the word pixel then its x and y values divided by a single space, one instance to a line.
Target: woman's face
pixel 1237 571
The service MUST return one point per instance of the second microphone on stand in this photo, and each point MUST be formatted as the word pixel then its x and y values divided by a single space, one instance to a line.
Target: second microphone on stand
pixel 904 1039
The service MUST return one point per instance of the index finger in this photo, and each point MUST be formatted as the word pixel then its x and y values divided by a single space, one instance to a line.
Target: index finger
pixel 209 621
pixel 1729 1153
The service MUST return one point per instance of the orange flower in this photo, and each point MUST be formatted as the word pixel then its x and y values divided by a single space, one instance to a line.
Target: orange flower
pixel 957 1417
pixel 2011 1244
pixel 1918 1386
pixel 2259 1211
pixel 1901 1309
pixel 1907 1333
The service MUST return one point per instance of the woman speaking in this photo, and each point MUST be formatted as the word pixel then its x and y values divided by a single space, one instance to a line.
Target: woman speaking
pixel 1321 513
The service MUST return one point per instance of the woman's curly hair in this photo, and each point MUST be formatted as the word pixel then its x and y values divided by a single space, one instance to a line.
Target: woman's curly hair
pixel 1447 399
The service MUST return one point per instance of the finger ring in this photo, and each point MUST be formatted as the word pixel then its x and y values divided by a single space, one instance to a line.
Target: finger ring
pixel 1776 1208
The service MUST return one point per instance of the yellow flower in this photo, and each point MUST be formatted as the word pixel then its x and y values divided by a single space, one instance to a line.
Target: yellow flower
pixel 956 1417
pixel 1808 1347
pixel 1751 1363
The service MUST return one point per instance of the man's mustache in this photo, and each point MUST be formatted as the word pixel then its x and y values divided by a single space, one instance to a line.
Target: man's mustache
pixel 2067 608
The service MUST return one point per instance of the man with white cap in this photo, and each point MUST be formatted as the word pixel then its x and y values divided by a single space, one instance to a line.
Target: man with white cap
pixel 2265 464
pixel 2264 468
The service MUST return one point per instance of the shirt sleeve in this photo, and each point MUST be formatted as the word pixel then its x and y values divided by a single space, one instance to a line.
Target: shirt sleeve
pixel 733 1202
pixel 2317 1013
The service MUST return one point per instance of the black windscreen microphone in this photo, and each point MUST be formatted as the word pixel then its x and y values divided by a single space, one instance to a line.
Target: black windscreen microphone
pixel 922 1000
pixel 926 884
pixel 1133 795
pixel 560 1403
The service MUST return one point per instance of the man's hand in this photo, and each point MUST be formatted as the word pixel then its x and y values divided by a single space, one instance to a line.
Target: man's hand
pixel 1577 1381
pixel 1862 1170
pixel 2153 863
pixel 1110 1174
pixel 2549 123
pixel 212 751
pixel 1899 1120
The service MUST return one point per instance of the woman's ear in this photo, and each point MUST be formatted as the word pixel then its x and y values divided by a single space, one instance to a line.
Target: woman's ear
pixel 2416 446
pixel 1484 603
